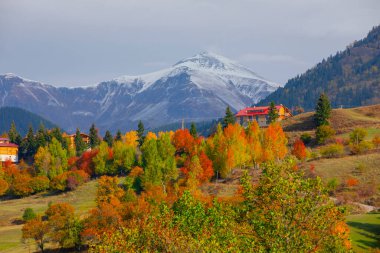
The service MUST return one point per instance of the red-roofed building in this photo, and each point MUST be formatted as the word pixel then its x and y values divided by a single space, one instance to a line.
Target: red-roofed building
pixel 260 114
pixel 8 151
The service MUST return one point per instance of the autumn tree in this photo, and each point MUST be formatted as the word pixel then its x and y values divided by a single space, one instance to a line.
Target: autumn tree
pixel 131 139
pixel 56 133
pixel 4 186
pixel 274 143
pixel 229 117
pixel 94 136
pixel 273 113
pixel 289 220
pixel 299 149
pixel 183 141
pixel 108 138
pixel 42 161
pixel 38 230
pixel 108 191
pixel 65 227
pixel 80 145
pixel 254 137
pixel 322 111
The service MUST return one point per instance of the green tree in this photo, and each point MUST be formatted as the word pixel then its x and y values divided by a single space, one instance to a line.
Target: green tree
pixel 124 157
pixel 59 161
pixel 42 136
pixel 118 136
pixel 229 117
pixel 291 213
pixel 323 133
pixel 322 111
pixel 140 132
pixel 358 135
pixel 108 138
pixel 80 145
pixel 101 161
pixel 94 138
pixel 193 130
pixel 29 144
pixel 13 135
pixel 167 163
pixel 57 134
pixel 150 160
pixel 29 214
pixel 273 113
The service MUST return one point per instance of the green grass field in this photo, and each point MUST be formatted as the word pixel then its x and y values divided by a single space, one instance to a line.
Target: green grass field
pixel 82 199
pixel 365 231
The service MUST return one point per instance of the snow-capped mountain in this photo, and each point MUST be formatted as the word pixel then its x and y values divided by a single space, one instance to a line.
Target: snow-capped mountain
pixel 196 88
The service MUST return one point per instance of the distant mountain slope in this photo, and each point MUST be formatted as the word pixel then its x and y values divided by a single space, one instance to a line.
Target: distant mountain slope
pixel 198 88
pixel 22 118
pixel 350 78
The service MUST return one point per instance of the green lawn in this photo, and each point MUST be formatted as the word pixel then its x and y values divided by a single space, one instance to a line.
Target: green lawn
pixel 371 132
pixel 365 231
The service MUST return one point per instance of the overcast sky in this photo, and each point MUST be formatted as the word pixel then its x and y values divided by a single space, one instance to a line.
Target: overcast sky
pixel 82 42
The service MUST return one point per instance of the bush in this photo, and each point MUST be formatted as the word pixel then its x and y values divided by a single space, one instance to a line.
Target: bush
pixel 306 138
pixel 332 150
pixel 29 214
pixel 332 185
pixel 39 183
pixel 358 135
pixel 69 180
pixel 324 133
pixel 361 147
pixel 376 141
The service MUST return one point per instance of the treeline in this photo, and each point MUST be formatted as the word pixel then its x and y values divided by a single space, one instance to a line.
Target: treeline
pixel 350 78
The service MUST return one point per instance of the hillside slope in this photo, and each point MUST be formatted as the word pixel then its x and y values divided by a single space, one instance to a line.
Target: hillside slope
pixel 350 78
pixel 22 118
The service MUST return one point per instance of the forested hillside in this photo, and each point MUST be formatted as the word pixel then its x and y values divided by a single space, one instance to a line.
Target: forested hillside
pixel 350 78
pixel 22 119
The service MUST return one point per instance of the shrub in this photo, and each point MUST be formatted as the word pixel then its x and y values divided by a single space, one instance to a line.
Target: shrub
pixel 39 183
pixel 299 150
pixel 332 185
pixel 29 214
pixel 361 147
pixel 306 138
pixel 59 182
pixel 324 133
pixel 358 135
pixel 351 182
pixel 376 141
pixel 332 150
pixel 69 180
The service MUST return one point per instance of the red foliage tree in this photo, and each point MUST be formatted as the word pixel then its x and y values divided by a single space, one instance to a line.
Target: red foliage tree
pixel 183 141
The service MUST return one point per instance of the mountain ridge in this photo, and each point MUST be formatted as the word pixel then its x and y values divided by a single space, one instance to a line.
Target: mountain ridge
pixel 196 88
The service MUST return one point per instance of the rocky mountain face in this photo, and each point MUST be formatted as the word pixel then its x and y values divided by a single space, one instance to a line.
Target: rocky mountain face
pixel 195 89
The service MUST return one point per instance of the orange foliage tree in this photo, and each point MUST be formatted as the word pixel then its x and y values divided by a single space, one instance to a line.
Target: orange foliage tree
pixel 274 143
pixel 299 149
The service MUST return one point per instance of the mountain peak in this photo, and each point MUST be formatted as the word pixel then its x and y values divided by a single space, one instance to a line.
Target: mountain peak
pixel 206 60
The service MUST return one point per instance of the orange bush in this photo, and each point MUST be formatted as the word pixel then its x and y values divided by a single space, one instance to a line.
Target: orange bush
pixel 299 150
pixel 352 182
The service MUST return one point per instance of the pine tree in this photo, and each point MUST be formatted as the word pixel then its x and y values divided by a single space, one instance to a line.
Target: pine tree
pixel 57 134
pixel 14 136
pixel 94 139
pixel 193 130
pixel 273 113
pixel 41 136
pixel 140 132
pixel 80 145
pixel 229 118
pixel 118 136
pixel 108 138
pixel 29 145
pixel 322 110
